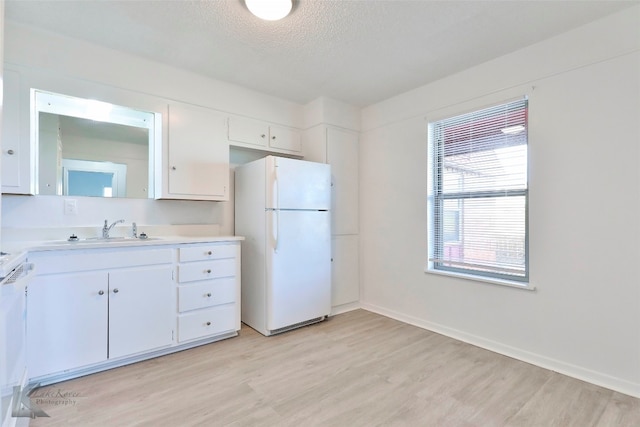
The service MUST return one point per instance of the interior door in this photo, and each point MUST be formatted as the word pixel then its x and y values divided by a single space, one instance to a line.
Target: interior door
pixel 298 267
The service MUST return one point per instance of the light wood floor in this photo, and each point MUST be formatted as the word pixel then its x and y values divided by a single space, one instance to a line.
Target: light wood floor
pixel 356 369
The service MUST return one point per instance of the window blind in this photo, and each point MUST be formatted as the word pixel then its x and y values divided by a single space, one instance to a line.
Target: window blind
pixel 479 192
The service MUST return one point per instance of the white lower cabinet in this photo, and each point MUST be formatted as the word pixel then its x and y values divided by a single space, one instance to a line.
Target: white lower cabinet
pixel 81 318
pixel 208 290
pixel 67 322
pixel 89 310
pixel 205 322
pixel 141 317
pixel 345 287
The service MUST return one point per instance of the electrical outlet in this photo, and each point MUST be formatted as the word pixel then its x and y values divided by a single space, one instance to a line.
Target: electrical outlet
pixel 70 207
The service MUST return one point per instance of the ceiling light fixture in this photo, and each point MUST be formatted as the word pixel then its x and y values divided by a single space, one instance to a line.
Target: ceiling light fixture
pixel 269 10
pixel 512 130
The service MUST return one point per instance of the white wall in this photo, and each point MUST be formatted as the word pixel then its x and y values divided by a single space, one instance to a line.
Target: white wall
pixel 65 65
pixel 332 112
pixel 584 317
pixel 84 61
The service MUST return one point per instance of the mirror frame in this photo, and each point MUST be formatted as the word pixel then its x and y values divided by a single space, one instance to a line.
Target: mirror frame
pixel 49 102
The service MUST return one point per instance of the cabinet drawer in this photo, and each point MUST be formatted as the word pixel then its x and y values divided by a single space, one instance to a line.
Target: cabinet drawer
pixel 206 294
pixel 206 270
pixel 211 321
pixel 205 252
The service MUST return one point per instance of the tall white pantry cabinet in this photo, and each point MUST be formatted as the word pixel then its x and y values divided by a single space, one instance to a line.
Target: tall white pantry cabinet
pixel 339 148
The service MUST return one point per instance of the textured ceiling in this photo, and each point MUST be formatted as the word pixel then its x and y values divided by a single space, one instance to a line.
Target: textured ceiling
pixel 356 51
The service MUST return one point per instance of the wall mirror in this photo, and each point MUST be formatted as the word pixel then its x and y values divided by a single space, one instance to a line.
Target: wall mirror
pixel 92 148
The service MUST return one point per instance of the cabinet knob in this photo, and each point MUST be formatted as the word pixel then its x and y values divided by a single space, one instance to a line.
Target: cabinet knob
pixel 263 135
pixel 208 323
pixel 100 292
pixel 173 168
pixel 115 291
pixel 209 252
pixel 208 271
pixel 273 137
pixel 10 152
pixel 209 295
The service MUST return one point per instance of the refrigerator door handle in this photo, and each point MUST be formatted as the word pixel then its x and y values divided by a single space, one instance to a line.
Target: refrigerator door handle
pixel 275 181
pixel 277 237
pixel 277 185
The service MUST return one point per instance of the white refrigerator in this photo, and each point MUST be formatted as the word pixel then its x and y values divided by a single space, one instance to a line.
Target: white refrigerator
pixel 282 210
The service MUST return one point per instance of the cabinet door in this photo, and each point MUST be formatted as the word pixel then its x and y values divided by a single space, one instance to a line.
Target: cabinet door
pixel 198 154
pixel 282 138
pixel 342 155
pixel 248 131
pixel 314 144
pixel 141 310
pixel 17 168
pixel 66 322
pixel 345 287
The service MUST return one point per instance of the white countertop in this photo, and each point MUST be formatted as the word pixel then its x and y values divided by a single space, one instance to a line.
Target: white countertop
pixel 15 240
pixel 116 242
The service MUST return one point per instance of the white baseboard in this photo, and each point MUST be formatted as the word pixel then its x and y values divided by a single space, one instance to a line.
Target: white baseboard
pixel 339 309
pixel 578 372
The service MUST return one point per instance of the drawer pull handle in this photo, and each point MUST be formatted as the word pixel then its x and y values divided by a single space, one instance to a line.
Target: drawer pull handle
pixel 115 291
pixel 208 323
pixel 209 295
pixel 208 271
pixel 101 292
pixel 209 253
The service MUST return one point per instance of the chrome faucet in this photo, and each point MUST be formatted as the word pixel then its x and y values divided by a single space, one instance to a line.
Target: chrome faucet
pixel 106 229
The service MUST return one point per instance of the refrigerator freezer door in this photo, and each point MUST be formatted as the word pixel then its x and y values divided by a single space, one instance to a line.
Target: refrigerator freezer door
pixel 299 270
pixel 297 184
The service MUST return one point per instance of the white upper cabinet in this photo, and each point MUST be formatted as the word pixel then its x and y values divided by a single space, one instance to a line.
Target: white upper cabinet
pixel 264 136
pixel 248 131
pixel 282 138
pixel 17 167
pixel 339 148
pixel 195 163
pixel 345 286
pixel 342 155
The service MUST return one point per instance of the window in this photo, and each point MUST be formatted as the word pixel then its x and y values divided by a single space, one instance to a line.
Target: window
pixel 478 193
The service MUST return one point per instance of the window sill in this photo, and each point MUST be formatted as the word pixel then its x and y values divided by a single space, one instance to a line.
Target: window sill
pixel 509 283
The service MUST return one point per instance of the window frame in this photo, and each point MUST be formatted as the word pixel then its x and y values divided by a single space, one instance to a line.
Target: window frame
pixel 435 204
